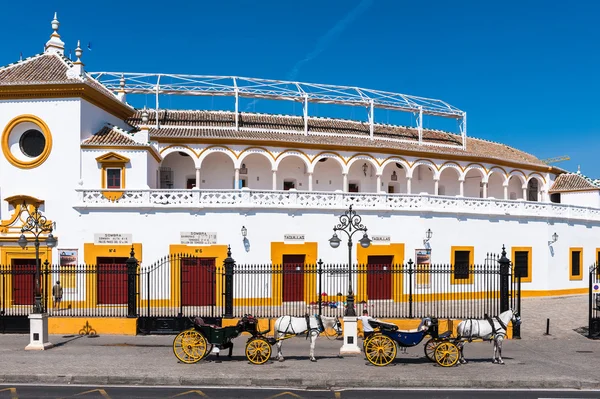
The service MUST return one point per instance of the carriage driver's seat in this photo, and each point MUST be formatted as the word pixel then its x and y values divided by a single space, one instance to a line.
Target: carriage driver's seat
pixel 200 323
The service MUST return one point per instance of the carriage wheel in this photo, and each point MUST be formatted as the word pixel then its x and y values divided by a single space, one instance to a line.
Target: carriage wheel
pixel 380 350
pixel 430 347
pixel 258 350
pixel 446 354
pixel 189 346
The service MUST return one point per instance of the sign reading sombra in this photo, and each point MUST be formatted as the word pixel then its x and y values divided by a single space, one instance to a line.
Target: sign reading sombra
pixel 198 238
pixel 112 238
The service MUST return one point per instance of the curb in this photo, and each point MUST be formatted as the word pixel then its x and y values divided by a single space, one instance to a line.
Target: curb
pixel 297 383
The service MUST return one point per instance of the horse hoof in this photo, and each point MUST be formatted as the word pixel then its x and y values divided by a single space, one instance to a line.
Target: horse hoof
pixel 313 360
pixel 281 359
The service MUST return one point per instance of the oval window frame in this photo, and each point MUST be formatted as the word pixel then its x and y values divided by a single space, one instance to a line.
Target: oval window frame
pixel 43 128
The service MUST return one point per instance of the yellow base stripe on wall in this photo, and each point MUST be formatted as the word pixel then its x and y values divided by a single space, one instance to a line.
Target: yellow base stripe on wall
pixel 92 325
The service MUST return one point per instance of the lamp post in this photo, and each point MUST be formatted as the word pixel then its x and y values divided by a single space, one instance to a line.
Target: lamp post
pixel 36 224
pixel 350 223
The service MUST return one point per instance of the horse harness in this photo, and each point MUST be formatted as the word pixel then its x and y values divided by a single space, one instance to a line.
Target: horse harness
pixel 320 327
pixel 502 325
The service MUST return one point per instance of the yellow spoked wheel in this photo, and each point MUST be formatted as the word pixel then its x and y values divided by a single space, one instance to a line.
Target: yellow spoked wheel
pixel 365 343
pixel 446 354
pixel 380 350
pixel 430 347
pixel 189 346
pixel 258 350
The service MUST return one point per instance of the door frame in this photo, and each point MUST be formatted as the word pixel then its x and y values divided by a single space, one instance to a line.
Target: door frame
pixel 389 274
pixel 309 250
pixel 392 249
pixel 9 253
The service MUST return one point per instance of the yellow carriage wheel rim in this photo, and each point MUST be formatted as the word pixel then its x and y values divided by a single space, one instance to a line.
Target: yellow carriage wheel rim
pixel 189 346
pixel 258 351
pixel 446 354
pixel 430 347
pixel 380 350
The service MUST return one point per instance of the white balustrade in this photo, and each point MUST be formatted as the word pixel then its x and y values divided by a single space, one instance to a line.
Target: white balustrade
pixel 292 199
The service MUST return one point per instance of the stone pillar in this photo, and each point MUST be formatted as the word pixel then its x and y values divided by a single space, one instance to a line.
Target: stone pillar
pixel 378 189
pixel 525 193
pixel 310 182
pixel 38 332
pixel 436 186
pixel 506 191
pixel 197 178
pixel 345 184
pixel 350 346
pixel 408 185
pixel 274 179
pixel 236 180
pixel 462 187
pixel 485 190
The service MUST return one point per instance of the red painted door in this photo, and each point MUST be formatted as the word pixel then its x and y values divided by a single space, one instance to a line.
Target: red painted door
pixel 23 281
pixel 379 277
pixel 111 281
pixel 293 278
pixel 198 281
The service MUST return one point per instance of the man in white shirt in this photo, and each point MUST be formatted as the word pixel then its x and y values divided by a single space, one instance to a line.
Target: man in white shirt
pixel 367 329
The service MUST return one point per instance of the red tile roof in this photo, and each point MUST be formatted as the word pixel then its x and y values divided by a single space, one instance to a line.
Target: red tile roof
pixel 289 130
pixel 108 136
pixel 573 182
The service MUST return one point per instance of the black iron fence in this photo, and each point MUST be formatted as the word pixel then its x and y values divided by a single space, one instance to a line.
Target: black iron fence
pixel 181 286
pixel 594 302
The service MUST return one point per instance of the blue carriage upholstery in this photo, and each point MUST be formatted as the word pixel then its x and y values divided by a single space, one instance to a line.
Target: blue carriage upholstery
pixel 407 339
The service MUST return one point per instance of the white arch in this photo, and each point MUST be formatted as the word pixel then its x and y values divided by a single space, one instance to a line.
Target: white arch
pixel 402 162
pixel 424 162
pixel 499 172
pixel 187 150
pixel 330 155
pixel 536 176
pixel 238 162
pixel 520 176
pixel 292 154
pixel 214 150
pixel 457 168
pixel 364 158
pixel 479 169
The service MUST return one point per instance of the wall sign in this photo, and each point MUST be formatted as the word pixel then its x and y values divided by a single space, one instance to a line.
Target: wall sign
pixel 382 239
pixel 198 238
pixel 112 238
pixel 68 264
pixel 293 237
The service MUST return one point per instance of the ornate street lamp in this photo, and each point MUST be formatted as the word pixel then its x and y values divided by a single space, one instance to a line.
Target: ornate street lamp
pixel 36 224
pixel 350 223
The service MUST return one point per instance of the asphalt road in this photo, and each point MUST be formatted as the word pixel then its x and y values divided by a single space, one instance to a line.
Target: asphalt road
pixel 114 392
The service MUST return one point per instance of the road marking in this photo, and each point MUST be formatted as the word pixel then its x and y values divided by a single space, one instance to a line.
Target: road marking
pixel 102 392
pixel 195 391
pixel 293 395
pixel 337 394
pixel 13 392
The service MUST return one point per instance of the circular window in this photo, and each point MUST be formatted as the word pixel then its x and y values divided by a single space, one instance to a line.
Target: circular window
pixel 32 143
pixel 26 142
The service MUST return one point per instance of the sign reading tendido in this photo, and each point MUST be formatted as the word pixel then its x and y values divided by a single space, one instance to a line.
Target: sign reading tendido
pixel 198 238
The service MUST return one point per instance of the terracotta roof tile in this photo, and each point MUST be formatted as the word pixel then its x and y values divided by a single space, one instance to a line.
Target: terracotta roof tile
pixel 260 127
pixel 43 68
pixel 110 136
pixel 573 182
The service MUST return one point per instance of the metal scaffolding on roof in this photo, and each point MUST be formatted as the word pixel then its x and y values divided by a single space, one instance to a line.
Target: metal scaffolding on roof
pixel 305 93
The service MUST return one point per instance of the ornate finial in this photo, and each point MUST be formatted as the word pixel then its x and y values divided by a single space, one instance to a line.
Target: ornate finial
pixel 144 116
pixel 55 45
pixel 229 251
pixel 132 253
pixel 121 92
pixel 122 82
pixel 78 52
pixel 503 250
pixel 579 169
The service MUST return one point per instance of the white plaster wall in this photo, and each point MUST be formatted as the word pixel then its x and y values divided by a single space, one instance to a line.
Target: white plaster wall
pixel 495 186
pixel 585 198
pixel 422 180
pixel 217 172
pixel 94 118
pixel 515 188
pixel 182 168
pixel 449 180
pixel 400 185
pixel 152 172
pixel 366 184
pixel 472 184
pixel 292 168
pixel 135 170
pixel 327 176
pixel 260 172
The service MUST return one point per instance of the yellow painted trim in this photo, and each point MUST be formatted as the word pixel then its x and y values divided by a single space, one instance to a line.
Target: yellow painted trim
pixel 112 157
pixel 536 174
pixel 309 250
pixel 360 154
pixel 597 261
pixel 395 158
pixel 111 105
pixel 460 168
pixel 91 252
pixel 580 275
pixel 112 160
pixel 477 164
pixel 101 325
pixel 218 252
pixel 151 150
pixel 362 255
pixel 218 146
pixel 471 262
pixel 568 291
pixel 8 254
pixel 181 146
pixel 529 262
pixel 426 162
pixel 19 199
pixel 34 163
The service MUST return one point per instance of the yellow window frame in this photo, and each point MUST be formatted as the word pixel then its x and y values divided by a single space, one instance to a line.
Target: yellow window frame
pixel 580 275
pixel 529 250
pixel 471 277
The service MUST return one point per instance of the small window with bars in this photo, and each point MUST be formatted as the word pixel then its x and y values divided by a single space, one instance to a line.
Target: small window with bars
pixel 461 264
pixel 575 269
pixel 521 262
pixel 113 178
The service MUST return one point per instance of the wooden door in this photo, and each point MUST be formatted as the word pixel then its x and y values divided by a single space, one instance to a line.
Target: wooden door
pixel 293 278
pixel 379 277
pixel 23 281
pixel 111 280
pixel 198 279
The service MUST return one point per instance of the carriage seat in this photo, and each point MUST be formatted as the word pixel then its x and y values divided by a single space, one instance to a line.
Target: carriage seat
pixel 383 325
pixel 446 334
pixel 200 323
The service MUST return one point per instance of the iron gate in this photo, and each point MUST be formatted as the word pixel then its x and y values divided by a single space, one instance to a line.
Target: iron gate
pixel 594 302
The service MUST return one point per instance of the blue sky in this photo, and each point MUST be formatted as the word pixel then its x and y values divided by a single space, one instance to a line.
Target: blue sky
pixel 525 71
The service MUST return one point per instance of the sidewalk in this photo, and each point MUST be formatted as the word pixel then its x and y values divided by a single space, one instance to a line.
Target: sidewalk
pixel 562 360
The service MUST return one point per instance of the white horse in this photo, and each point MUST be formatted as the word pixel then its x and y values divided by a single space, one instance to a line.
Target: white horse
pixel 493 328
pixel 288 325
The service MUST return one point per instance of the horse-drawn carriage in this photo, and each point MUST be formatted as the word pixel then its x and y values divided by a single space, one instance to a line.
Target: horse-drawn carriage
pixel 381 346
pixel 194 344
